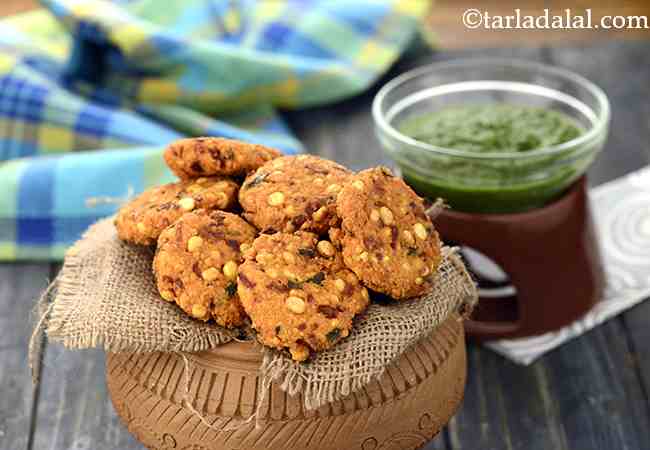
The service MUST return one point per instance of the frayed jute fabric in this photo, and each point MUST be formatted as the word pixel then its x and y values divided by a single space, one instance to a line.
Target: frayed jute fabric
pixel 105 297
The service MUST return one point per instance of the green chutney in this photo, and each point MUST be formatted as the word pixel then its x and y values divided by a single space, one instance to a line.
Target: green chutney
pixel 491 185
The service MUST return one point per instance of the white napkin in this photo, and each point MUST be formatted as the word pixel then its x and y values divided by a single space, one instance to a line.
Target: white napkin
pixel 622 213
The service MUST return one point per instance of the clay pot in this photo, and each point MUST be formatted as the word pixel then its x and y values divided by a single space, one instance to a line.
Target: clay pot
pixel 404 409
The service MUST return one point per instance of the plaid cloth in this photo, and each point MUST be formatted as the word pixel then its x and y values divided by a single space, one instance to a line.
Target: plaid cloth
pixel 130 76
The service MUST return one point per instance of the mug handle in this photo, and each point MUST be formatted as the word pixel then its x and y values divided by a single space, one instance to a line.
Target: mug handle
pixel 463 232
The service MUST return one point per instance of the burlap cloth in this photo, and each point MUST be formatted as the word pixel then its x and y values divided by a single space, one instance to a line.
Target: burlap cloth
pixel 105 297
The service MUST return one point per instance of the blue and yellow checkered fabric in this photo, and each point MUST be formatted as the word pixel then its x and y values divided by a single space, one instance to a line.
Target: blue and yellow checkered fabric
pixel 127 77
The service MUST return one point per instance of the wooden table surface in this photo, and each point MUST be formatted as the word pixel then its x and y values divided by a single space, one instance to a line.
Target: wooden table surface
pixel 591 393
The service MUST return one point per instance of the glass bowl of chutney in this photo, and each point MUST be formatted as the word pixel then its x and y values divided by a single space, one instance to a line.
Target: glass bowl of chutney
pixel 491 135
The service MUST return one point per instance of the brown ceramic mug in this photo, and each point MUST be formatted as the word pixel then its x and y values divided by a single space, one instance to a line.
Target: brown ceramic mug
pixel 550 255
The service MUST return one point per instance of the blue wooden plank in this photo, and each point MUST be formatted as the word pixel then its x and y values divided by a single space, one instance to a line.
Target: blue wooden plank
pixel 20 284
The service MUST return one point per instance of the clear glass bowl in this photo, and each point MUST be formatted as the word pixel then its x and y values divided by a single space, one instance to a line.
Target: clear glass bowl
pixel 491 182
